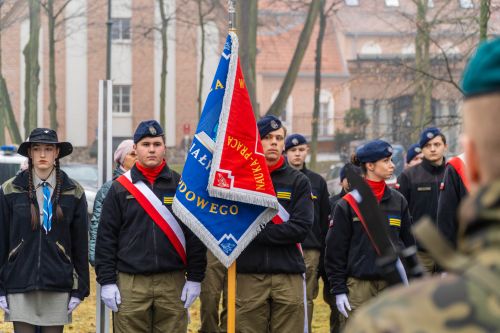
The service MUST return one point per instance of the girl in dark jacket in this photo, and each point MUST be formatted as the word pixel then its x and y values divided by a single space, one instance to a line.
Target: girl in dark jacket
pixel 350 256
pixel 44 271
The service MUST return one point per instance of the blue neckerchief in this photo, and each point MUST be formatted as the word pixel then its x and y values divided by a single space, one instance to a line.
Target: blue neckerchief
pixel 47 208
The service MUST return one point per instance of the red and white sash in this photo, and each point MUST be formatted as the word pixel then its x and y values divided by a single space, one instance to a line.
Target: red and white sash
pixel 157 211
pixel 282 217
pixel 458 164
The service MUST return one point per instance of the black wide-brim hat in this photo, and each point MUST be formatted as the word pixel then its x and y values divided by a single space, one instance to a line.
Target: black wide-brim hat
pixel 47 136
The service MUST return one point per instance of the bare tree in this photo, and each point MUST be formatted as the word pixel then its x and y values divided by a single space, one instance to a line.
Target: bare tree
pixel 205 8
pixel 293 70
pixel 52 17
pixel 32 79
pixel 324 13
pixel 247 11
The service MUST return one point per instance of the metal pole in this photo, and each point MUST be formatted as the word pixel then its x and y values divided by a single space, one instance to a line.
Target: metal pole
pixel 109 24
pixel 231 4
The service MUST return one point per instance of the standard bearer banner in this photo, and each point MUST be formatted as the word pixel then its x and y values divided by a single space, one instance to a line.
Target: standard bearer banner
pixel 226 194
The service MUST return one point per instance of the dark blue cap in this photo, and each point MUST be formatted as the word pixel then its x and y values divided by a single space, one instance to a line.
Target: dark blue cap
pixel 147 128
pixel 356 169
pixel 267 124
pixel 294 140
pixel 427 135
pixel 413 151
pixel 373 151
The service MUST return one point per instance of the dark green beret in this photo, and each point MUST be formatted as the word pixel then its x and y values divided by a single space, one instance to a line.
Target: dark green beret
pixel 482 74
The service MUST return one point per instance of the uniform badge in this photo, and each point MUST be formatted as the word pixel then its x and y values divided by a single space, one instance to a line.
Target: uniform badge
pixel 168 200
pixel 389 149
pixel 152 130
pixel 274 124
pixel 284 195
pixel 430 135
pixel 418 150
pixel 295 141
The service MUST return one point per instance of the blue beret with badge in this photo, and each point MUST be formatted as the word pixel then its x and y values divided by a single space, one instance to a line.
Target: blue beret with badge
pixel 373 151
pixel 294 140
pixel 147 128
pixel 482 74
pixel 268 124
pixel 413 151
pixel 427 135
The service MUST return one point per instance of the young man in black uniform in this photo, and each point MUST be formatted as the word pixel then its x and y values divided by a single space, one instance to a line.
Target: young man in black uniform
pixel 420 184
pixel 149 275
pixel 296 150
pixel 270 285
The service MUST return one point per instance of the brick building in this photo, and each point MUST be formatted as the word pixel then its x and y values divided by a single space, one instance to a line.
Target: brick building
pixel 367 48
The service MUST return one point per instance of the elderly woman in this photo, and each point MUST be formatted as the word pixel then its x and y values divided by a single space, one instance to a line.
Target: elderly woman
pixel 124 158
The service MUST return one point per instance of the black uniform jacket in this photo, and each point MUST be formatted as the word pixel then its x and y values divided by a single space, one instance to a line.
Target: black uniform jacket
pixel 36 260
pixel 274 250
pixel 452 192
pixel 349 252
pixel 420 186
pixel 129 241
pixel 316 237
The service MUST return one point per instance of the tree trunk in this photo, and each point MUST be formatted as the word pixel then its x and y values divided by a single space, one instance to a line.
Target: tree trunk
pixel 422 101
pixel 484 17
pixel 164 58
pixel 201 22
pixel 293 70
pixel 52 66
pixel 317 86
pixel 32 79
pixel 9 118
pixel 247 11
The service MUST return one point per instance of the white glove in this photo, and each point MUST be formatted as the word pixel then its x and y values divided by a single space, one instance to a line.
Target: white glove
pixel 342 303
pixel 110 295
pixel 73 303
pixel 3 304
pixel 190 292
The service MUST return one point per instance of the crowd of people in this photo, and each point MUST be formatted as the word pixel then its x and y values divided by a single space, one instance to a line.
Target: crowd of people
pixel 150 276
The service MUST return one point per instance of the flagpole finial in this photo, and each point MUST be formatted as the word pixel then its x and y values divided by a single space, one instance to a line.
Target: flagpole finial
pixel 232 14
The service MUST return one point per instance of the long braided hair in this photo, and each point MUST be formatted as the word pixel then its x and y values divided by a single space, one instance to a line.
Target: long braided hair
pixel 35 215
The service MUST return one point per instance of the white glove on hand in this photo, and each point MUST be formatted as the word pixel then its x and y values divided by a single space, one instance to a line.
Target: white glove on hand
pixel 190 292
pixel 73 303
pixel 342 303
pixel 110 295
pixel 3 304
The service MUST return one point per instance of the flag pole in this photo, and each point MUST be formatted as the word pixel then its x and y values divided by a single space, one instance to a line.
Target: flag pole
pixel 231 272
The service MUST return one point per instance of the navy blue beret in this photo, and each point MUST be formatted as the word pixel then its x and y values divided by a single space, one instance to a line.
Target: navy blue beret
pixel 294 140
pixel 413 151
pixel 267 124
pixel 373 151
pixel 342 173
pixel 482 74
pixel 147 128
pixel 427 135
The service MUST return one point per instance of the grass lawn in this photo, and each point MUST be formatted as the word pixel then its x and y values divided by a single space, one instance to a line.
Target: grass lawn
pixel 84 315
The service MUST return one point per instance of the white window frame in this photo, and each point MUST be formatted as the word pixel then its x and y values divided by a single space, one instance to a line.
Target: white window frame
pixel 117 27
pixel 289 111
pixel 466 4
pixel 371 48
pixel 392 3
pixel 352 2
pixel 326 97
pixel 118 108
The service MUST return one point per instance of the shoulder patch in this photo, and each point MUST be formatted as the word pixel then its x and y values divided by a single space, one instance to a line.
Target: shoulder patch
pixel 168 199
pixel 284 194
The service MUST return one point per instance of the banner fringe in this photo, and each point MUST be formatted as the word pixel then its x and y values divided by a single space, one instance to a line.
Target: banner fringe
pixel 209 240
